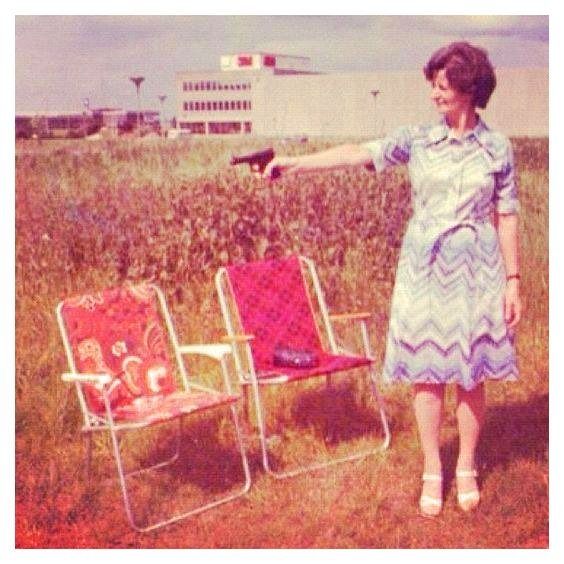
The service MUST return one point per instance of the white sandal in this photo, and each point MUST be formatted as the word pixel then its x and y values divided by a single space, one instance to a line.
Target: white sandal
pixel 469 500
pixel 428 505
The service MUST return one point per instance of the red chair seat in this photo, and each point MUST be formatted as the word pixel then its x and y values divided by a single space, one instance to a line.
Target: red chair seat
pixel 328 363
pixel 147 410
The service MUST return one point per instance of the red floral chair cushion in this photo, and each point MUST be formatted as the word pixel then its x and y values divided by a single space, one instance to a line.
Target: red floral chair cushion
pixel 119 332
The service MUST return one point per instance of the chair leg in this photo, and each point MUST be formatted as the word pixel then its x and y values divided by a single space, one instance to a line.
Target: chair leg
pixel 261 426
pixel 121 476
pixel 166 461
pixel 246 407
pixel 199 509
pixel 381 406
pixel 241 445
pixel 374 385
pixel 260 412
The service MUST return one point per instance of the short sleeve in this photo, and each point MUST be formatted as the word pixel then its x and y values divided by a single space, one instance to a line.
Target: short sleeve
pixel 505 193
pixel 393 149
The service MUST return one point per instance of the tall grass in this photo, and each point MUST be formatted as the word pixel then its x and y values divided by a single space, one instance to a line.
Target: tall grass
pixel 91 215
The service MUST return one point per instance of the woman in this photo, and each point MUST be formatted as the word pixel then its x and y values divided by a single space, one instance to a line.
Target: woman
pixel 456 296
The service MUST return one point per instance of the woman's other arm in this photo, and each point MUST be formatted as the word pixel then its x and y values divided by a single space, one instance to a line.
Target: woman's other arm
pixel 508 232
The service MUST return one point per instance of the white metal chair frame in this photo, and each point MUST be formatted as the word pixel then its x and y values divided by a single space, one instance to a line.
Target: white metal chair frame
pixel 94 422
pixel 242 349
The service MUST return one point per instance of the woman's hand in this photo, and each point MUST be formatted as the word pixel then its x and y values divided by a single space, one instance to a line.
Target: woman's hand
pixel 512 304
pixel 338 157
pixel 277 166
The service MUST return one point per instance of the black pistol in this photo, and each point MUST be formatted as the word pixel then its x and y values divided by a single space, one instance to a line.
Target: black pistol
pixel 257 161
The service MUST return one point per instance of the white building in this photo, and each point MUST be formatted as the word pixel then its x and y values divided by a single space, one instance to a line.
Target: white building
pixel 275 95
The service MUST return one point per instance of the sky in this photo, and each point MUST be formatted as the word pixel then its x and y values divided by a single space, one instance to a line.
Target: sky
pixel 62 60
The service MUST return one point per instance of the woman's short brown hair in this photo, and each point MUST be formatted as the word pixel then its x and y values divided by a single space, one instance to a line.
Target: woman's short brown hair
pixel 467 69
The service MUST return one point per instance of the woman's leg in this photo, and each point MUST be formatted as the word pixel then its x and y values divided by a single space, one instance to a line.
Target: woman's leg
pixel 470 409
pixel 428 403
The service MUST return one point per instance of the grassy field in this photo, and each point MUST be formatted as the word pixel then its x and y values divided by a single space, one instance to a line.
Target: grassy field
pixel 94 214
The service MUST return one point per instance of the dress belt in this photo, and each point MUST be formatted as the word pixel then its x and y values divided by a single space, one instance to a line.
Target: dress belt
pixel 447 233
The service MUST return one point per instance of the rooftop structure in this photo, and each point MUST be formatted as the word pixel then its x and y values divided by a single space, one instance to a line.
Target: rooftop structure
pixel 270 62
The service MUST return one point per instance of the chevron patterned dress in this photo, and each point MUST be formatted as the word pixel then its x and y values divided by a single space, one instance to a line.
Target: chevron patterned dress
pixel 446 318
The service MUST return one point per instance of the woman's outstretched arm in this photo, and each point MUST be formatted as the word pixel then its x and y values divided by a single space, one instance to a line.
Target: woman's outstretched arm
pixel 341 156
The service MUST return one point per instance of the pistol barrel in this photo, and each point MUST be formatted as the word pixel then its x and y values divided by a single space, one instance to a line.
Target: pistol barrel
pixel 262 157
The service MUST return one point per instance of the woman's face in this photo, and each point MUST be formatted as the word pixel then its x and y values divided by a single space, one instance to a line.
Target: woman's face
pixel 448 100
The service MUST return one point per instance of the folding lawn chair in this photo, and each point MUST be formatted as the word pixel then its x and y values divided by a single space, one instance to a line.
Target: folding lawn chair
pixel 267 304
pixel 117 344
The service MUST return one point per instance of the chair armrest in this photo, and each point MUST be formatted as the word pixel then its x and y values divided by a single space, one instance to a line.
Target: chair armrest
pixel 99 379
pixel 237 338
pixel 361 318
pixel 350 316
pixel 213 350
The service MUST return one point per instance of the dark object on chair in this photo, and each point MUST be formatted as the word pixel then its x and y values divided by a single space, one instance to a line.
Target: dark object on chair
pixel 294 358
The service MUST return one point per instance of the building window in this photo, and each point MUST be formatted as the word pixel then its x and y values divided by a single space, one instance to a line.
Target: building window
pixel 214 106
pixel 269 61
pixel 238 86
pixel 226 105
pixel 220 105
pixel 208 106
pixel 224 127
pixel 214 85
pixel 196 86
pixel 244 104
pixel 197 127
pixel 248 127
pixel 191 106
pixel 238 104
pixel 197 106
pixel 208 85
pixel 250 105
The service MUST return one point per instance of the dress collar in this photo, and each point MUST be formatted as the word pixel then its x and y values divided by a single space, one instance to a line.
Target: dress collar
pixel 442 131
